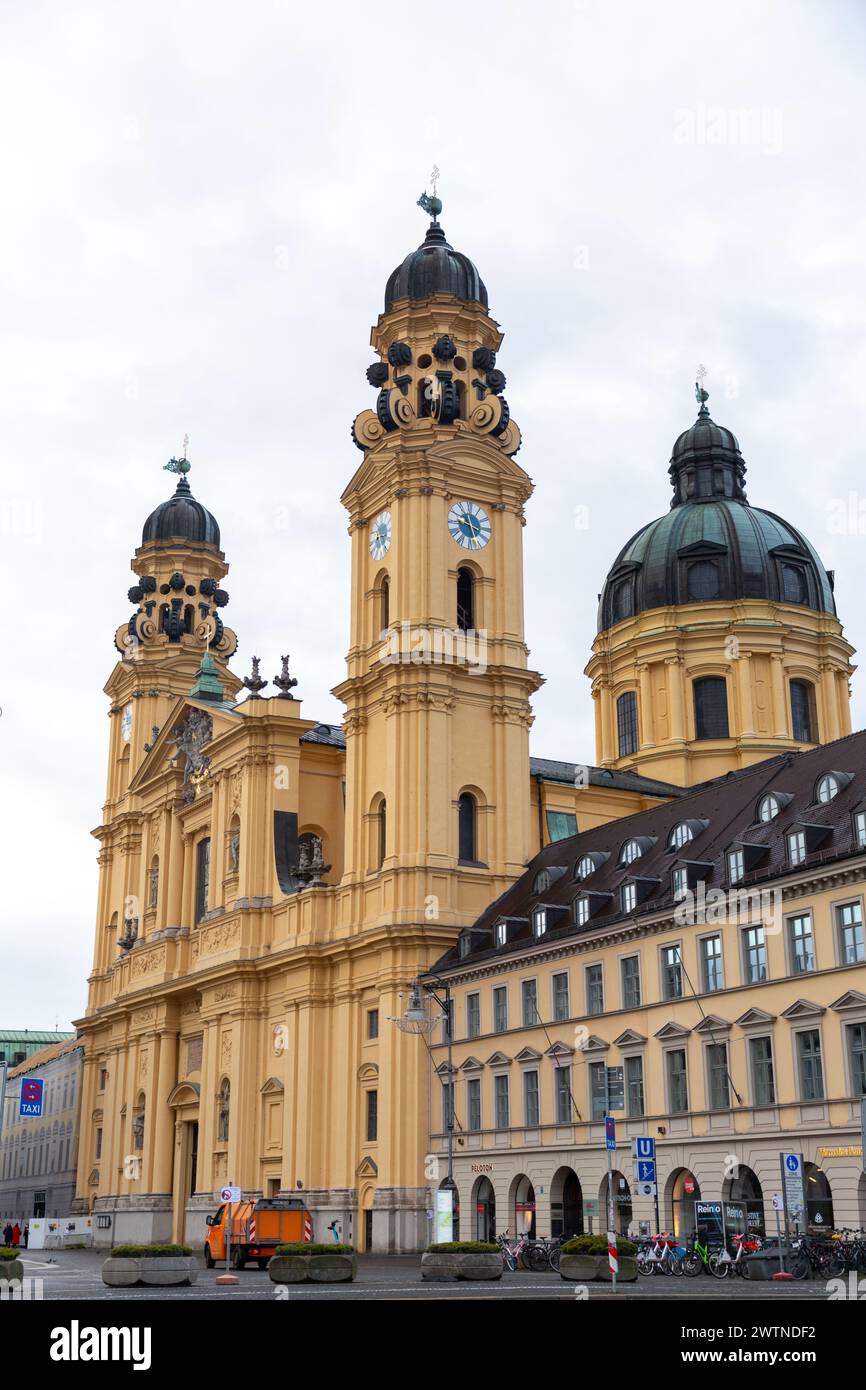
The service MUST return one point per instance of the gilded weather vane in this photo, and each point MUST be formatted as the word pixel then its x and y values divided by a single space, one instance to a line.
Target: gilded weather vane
pixel 429 201
pixel 181 465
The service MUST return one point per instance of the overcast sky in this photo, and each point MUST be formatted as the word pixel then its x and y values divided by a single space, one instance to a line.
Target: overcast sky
pixel 201 203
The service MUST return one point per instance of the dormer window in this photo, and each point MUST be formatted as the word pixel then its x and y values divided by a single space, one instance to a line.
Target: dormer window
pixel 680 835
pixel 500 933
pixel 628 897
pixel 680 882
pixel 584 867
pixel 581 911
pixel 539 921
pixel 827 788
pixel 768 808
pixel 797 846
pixel 541 882
pixel 860 829
pixel 736 865
pixel 630 851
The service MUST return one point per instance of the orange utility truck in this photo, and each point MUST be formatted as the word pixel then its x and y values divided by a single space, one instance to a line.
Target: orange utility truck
pixel 257 1229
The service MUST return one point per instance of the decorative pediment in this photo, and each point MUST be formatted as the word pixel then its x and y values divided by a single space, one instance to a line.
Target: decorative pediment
pixel 498 1059
pixel 803 1008
pixel 201 724
pixel 367 1168
pixel 851 999
pixel 672 1030
pixel 752 1018
pixel 185 1093
pixel 594 1044
pixel 93 1179
pixel 273 1086
pixel 471 1064
pixel 630 1038
pixel 443 1069
pixel 713 1024
pixel 559 1051
pixel 368 1071
pixel 528 1054
pixel 96 1117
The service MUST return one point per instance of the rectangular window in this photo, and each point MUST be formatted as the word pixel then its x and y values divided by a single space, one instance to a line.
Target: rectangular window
pixel 712 974
pixel 202 878
pixel 561 825
pixel 628 897
pixel 372 1024
pixel 802 943
pixel 500 1095
pixel 473 1097
pixel 447 1104
pixel 500 933
pixel 563 1094
pixel 711 708
pixel 678 1091
pixel 857 1057
pixel 626 723
pixel 860 829
pixel 103 1078
pixel 372 1116
pixel 630 973
pixel 802 703
pixel 539 921
pixel 796 846
pixel 597 1090
pixel 581 911
pixel 763 1079
pixel 849 921
pixel 561 1008
pixel 754 955
pixel 529 999
pixel 98 1145
pixel 594 990
pixel 680 882
pixel 473 1015
pixel 500 1009
pixel 634 1087
pixel 672 973
pixel 530 1099
pixel 717 1076
pixel 736 865
pixel 810 1064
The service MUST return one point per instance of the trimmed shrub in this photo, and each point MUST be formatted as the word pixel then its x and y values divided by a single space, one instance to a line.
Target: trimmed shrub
pixel 462 1247
pixel 7 1253
pixel 597 1245
pixel 306 1247
pixel 137 1252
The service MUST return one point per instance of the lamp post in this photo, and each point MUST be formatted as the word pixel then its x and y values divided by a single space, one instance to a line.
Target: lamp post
pixel 418 1019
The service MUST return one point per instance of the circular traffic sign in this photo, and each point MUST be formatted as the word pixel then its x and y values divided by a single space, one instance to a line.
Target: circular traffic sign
pixel 31 1091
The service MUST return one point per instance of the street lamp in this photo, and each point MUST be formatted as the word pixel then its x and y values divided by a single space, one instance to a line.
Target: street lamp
pixel 419 1020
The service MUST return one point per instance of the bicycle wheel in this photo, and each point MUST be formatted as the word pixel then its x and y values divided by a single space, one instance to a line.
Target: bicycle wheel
pixel 834 1264
pixel 676 1266
pixel 508 1259
pixel 644 1264
pixel 536 1258
pixel 799 1265
pixel 718 1267
pixel 692 1265
pixel 555 1254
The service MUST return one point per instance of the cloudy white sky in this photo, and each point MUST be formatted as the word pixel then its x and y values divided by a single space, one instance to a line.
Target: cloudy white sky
pixel 201 203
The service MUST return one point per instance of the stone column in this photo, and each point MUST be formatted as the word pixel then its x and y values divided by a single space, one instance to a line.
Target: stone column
pixel 830 707
pixel 675 698
pixel 607 754
pixel 172 887
pixel 781 727
pixel 743 668
pixel 647 728
pixel 163 1144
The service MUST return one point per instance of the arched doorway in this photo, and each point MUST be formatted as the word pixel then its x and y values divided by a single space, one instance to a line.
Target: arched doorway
pixel 566 1204
pixel 484 1206
pixel 523 1206
pixel 819 1199
pixel 622 1210
pixel 744 1193
pixel 683 1190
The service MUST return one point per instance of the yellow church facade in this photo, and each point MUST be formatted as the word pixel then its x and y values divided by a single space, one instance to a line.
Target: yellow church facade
pixel 270 886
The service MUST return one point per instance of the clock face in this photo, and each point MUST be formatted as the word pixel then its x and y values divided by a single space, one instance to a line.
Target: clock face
pixel 380 535
pixel 469 524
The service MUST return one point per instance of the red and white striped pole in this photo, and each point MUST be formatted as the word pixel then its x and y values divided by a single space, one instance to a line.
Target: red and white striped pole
pixel 610 1125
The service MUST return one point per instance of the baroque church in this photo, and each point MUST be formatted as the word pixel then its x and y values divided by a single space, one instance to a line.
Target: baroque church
pixel 270 885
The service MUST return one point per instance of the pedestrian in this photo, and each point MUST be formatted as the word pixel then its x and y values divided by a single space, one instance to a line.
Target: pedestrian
pixel 7 1235
pixel 16 1236
pixel 26 1234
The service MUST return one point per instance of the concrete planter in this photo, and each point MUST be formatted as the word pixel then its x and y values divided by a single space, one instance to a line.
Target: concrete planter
pixel 584 1268
pixel 312 1269
pixel 125 1271
pixel 11 1269
pixel 445 1266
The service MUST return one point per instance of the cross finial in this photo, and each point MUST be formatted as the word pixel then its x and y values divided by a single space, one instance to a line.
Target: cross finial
pixel 431 202
pixel 185 445
pixel 434 178
pixel 701 395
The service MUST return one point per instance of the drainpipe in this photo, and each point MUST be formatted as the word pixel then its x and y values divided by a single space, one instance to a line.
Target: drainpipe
pixel 539 781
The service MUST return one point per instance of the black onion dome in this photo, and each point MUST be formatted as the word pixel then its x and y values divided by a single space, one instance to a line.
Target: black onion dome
pixel 181 518
pixel 712 545
pixel 435 268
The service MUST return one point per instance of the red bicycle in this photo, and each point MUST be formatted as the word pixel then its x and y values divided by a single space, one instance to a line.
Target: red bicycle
pixel 722 1263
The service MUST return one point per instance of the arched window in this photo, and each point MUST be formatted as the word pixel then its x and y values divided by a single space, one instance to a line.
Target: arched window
pixel 384 603
pixel 202 878
pixel 768 807
pixel 711 707
pixel 467 851
pixel 465 599
pixel 827 788
pixel 153 882
pixel 584 867
pixel 630 851
pixel 680 835
pixel 626 723
pixel 803 720
pixel 382 833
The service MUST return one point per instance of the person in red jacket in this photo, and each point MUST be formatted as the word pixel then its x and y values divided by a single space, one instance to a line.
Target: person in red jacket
pixel 16 1236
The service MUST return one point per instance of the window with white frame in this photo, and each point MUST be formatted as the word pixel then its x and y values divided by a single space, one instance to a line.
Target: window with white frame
pixel 561 1010
pixel 736 865
pixel 562 1094
pixel 634 1095
pixel 796 846
pixel 500 1008
pixel 768 807
pixel 754 955
pixel 630 851
pixel 473 1104
pixel 849 925
pixel 539 921
pixel 473 1015
pixel 827 788
pixel 763 1077
pixel 531 1115
pixel 680 882
pixel 584 867
pixel 678 1091
pixel 672 973
pixel 529 1002
pixel 594 989
pixel 712 973
pixel 500 933
pixel 718 1093
pixel 501 1101
pixel 857 1057
pixel 801 942
pixel 680 835
pixel 810 1064
pixel 630 977
pixel 860 829
pixel 628 897
pixel 581 911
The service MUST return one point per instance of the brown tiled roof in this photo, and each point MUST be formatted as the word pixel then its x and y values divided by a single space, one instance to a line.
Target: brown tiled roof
pixel 46 1054
pixel 729 806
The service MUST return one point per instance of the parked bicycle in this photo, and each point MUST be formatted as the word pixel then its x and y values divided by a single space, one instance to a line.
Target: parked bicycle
pixel 722 1263
pixel 662 1255
pixel 697 1257
pixel 817 1257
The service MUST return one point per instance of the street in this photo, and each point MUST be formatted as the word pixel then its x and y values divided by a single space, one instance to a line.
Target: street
pixel 76 1275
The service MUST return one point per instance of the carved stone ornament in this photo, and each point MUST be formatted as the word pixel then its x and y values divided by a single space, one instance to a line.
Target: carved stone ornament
pixel 189 739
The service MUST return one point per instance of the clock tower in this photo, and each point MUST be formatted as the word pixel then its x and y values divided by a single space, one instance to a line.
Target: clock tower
pixel 438 685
